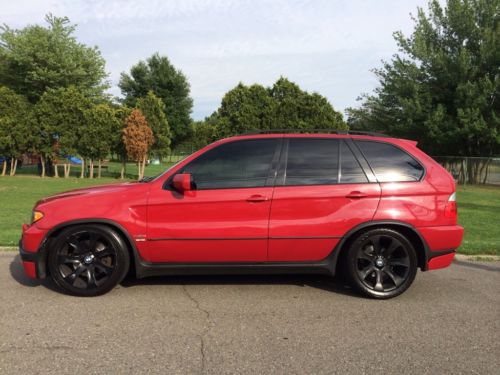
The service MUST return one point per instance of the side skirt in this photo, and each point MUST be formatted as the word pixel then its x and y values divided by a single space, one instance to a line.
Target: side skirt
pixel 163 269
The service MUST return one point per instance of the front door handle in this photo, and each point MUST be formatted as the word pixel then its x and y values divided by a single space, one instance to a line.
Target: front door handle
pixel 257 198
pixel 356 195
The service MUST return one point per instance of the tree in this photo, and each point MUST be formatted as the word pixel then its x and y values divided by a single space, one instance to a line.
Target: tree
pixel 14 115
pixel 298 109
pixel 158 75
pixel 255 107
pixel 153 109
pixel 59 121
pixel 36 58
pixel 442 88
pixel 137 137
pixel 96 140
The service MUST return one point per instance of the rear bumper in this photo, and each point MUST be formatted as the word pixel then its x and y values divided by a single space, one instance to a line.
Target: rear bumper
pixel 442 243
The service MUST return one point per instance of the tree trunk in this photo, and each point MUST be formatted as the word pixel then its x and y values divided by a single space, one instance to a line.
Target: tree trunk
pixel 42 161
pixel 67 170
pixel 143 166
pixel 99 169
pixel 82 172
pixel 122 172
pixel 11 166
pixel 4 167
pixel 56 171
pixel 15 167
pixel 138 169
pixel 91 169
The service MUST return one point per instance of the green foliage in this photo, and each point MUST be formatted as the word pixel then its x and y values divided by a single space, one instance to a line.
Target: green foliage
pixel 95 139
pixel 36 59
pixel 282 106
pixel 158 75
pixel 59 120
pixel 153 109
pixel 14 115
pixel 442 89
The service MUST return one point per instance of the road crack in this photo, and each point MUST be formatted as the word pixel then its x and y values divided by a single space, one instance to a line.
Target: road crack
pixel 205 330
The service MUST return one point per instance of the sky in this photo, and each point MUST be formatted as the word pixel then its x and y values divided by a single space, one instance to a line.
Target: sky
pixel 325 46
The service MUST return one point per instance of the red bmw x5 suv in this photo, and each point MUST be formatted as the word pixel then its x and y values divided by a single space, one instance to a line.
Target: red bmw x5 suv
pixel 376 207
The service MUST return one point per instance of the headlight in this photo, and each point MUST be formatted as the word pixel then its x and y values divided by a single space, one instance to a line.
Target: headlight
pixel 37 215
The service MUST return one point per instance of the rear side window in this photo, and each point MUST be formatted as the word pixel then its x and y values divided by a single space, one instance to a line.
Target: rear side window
pixel 233 165
pixel 389 163
pixel 350 170
pixel 312 162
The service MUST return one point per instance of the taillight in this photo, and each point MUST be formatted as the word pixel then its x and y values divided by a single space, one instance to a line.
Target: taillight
pixel 451 207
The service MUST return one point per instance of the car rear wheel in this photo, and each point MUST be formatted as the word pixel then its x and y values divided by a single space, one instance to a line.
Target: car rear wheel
pixel 88 260
pixel 381 263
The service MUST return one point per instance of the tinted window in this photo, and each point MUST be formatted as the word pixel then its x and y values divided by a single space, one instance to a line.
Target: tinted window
pixel 312 162
pixel 389 163
pixel 350 170
pixel 233 165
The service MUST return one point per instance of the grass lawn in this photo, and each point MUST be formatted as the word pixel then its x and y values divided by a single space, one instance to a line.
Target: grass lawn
pixel 479 208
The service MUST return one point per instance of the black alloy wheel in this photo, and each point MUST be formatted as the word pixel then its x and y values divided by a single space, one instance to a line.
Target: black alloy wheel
pixel 382 263
pixel 88 260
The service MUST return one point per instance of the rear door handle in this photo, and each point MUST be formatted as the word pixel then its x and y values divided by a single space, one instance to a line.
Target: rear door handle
pixel 257 198
pixel 356 195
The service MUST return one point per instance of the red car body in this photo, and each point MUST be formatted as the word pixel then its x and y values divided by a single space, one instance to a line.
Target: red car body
pixel 256 226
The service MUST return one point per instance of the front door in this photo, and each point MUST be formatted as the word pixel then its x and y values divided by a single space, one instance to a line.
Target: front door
pixel 225 217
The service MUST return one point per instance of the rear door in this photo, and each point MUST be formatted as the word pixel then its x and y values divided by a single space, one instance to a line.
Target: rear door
pixel 321 193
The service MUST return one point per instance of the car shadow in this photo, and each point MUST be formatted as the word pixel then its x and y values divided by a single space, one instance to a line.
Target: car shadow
pixel 17 272
pixel 323 282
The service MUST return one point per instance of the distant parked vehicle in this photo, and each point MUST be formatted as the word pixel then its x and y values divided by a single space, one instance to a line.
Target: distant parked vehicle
pixel 377 207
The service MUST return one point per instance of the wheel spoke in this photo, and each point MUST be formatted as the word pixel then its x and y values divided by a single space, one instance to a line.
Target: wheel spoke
pixel 66 258
pixel 366 271
pixel 397 280
pixel 103 267
pixel 375 241
pixel 91 281
pixel 106 252
pixel 378 282
pixel 403 262
pixel 393 246
pixel 75 244
pixel 93 237
pixel 75 274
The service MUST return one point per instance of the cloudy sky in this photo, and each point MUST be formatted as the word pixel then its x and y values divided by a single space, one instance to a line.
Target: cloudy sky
pixel 327 46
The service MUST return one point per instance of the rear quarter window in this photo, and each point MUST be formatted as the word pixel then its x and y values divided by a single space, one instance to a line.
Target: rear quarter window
pixel 390 163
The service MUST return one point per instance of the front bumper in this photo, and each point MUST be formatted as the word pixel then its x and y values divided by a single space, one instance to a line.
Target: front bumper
pixel 32 252
pixel 30 261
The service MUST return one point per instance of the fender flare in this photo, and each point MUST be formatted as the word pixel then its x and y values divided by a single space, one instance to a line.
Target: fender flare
pixel 334 255
pixel 43 251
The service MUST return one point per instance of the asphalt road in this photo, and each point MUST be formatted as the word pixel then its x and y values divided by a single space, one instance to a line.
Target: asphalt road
pixel 448 322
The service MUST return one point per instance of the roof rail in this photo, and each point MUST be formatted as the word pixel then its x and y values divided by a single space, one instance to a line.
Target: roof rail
pixel 314 131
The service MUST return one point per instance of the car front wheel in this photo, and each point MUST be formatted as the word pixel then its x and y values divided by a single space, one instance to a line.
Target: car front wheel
pixel 88 260
pixel 382 263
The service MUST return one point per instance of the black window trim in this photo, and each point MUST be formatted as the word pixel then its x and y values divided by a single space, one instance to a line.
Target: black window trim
pixel 270 179
pixel 355 142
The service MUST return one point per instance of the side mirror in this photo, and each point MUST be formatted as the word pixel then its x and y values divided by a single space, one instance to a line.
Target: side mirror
pixel 182 182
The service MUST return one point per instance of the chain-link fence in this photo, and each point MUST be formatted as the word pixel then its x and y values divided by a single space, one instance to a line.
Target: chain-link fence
pixel 472 170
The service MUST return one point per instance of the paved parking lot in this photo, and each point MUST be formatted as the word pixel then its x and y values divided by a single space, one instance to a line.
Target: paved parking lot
pixel 448 322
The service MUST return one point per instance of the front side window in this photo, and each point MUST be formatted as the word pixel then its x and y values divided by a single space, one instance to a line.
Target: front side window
pixel 233 165
pixel 389 163
pixel 312 162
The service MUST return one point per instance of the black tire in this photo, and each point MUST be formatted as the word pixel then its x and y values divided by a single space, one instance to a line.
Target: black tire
pixel 381 263
pixel 88 260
